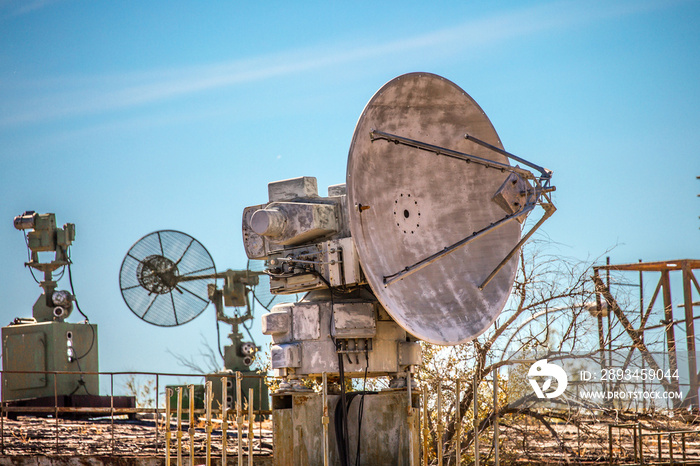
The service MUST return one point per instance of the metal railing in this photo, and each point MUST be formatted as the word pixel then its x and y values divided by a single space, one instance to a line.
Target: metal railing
pixel 673 456
pixel 160 414
pixel 669 448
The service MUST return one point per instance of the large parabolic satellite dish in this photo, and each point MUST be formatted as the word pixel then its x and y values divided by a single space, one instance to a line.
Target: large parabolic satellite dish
pixel 409 203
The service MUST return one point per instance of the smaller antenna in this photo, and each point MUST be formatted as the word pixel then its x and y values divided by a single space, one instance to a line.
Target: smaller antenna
pixel 168 278
pixel 46 237
pixel 164 278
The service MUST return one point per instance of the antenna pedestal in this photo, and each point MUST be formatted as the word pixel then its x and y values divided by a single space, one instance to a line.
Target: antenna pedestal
pixel 42 311
pixel 49 346
pixel 46 343
pixel 385 437
pixel 309 338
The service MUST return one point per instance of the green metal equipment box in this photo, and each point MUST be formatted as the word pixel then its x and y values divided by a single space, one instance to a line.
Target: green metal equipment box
pixel 261 395
pixel 49 346
pixel 198 398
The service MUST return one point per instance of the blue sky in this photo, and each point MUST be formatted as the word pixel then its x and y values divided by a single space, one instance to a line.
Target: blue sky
pixel 129 117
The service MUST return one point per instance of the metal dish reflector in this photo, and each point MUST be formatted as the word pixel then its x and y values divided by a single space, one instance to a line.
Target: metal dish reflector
pixel 407 204
pixel 159 278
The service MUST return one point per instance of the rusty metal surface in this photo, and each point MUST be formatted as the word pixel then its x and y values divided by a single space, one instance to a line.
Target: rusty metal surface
pixel 106 461
pixel 87 441
pixel 689 281
pixel 71 406
pixel 82 440
pixel 385 435
pixel 416 203
pixel 658 266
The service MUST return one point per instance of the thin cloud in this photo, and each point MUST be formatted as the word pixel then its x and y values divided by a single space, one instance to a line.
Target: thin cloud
pixel 14 8
pixel 98 95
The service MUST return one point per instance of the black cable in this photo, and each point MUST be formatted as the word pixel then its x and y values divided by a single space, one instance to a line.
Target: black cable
pixel 341 416
pixel 341 410
pixel 92 343
pixel 26 241
pixel 343 437
pixel 341 422
pixel 342 433
pixel 77 306
pixel 255 298
pixel 338 425
pixel 29 257
pixel 343 441
pixel 246 328
pixel 250 304
pixel 218 339
pixel 81 382
pixel 60 276
pixel 31 270
pixel 362 405
pixel 72 290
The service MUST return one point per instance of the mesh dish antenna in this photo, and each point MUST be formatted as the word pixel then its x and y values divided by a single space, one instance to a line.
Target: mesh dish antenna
pixel 166 275
pixel 164 278
pixel 428 212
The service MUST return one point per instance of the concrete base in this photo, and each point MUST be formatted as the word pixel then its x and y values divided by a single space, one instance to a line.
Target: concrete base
pixel 15 408
pixel 385 437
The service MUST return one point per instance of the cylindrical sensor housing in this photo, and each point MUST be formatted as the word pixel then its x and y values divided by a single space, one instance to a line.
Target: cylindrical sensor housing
pixel 268 222
pixel 25 221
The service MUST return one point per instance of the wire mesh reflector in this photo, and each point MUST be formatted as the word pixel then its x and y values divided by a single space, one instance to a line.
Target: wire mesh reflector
pixel 155 278
pixel 261 292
